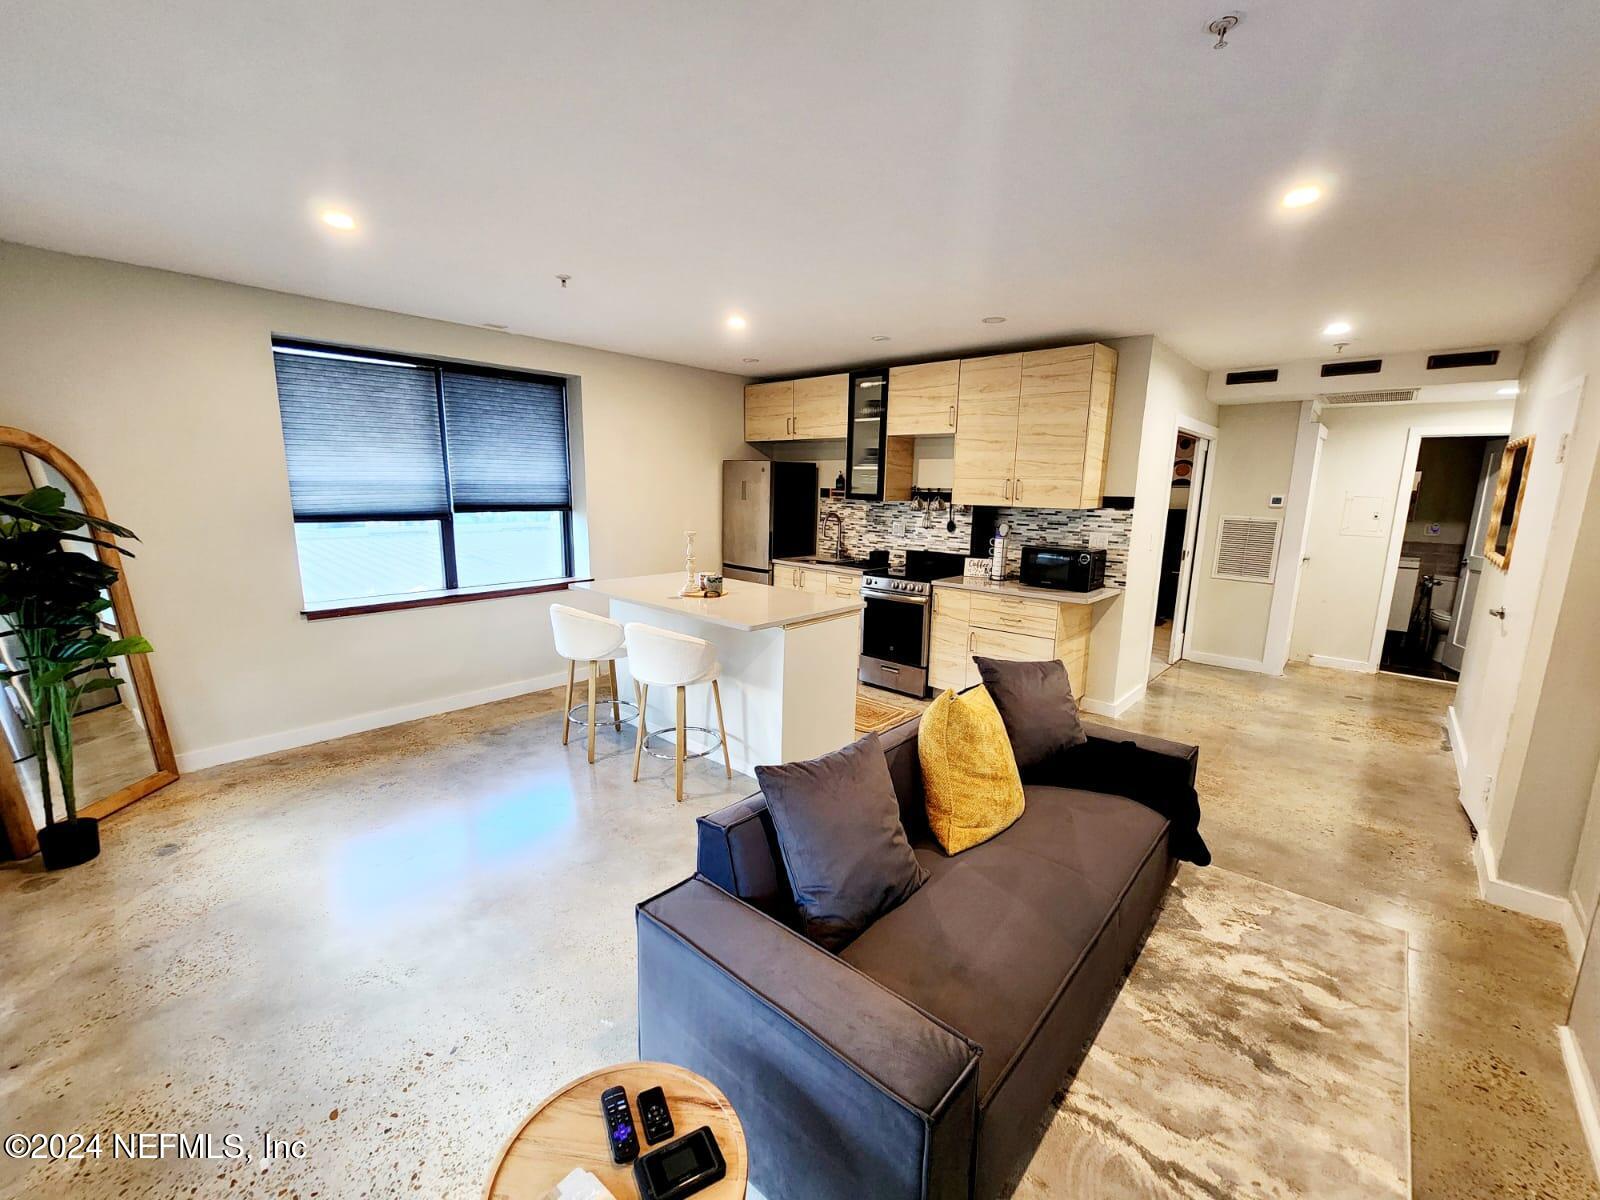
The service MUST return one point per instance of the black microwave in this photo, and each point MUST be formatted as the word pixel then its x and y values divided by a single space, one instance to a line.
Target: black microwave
pixel 1068 568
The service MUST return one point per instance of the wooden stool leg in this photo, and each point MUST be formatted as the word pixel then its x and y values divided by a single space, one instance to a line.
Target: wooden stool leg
pixel 566 709
pixel 616 709
pixel 716 694
pixel 683 735
pixel 642 690
pixel 594 669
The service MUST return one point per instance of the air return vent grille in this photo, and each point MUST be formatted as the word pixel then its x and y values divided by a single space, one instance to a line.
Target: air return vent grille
pixel 1392 396
pixel 1247 549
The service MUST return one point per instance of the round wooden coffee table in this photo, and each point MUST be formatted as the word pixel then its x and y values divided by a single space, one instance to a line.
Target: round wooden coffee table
pixel 567 1131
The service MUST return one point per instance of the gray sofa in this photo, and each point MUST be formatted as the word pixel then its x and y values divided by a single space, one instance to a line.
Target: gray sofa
pixel 919 1062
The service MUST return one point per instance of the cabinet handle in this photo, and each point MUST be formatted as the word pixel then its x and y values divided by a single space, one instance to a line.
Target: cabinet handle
pixel 952 416
pixel 1008 489
pixel 1019 489
pixel 971 637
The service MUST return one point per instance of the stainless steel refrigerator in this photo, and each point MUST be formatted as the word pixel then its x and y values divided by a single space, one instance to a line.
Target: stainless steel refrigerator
pixel 769 510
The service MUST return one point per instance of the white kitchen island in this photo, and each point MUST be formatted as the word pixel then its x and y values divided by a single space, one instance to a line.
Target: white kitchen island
pixel 789 662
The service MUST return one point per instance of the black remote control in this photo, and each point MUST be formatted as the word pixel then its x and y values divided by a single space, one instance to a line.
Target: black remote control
pixel 653 1115
pixel 619 1125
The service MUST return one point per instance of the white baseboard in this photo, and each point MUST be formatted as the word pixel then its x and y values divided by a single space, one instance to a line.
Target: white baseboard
pixel 1583 1091
pixel 1458 748
pixel 1559 910
pixel 305 735
pixel 1224 660
pixel 1114 708
pixel 1342 664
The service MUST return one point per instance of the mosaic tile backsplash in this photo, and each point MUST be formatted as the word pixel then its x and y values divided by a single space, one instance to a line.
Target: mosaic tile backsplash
pixel 869 526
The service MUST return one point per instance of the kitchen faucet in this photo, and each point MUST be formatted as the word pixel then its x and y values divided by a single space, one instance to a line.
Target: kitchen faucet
pixel 838 529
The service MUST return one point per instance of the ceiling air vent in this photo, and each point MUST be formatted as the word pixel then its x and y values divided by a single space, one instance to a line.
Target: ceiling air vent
pixel 1463 358
pixel 1392 396
pixel 1354 366
pixel 1266 375
pixel 1247 549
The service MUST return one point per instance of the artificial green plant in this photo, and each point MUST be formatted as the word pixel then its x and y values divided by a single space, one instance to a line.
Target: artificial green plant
pixel 51 596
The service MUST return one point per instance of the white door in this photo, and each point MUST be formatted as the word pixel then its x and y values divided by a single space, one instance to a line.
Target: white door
pixel 1191 531
pixel 1471 574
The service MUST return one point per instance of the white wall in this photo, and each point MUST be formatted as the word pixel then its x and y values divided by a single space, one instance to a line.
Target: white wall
pixel 1347 577
pixel 1254 459
pixel 162 387
pixel 1157 390
pixel 1525 731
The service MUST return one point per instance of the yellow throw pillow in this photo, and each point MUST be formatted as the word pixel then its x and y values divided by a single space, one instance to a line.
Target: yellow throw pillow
pixel 969 774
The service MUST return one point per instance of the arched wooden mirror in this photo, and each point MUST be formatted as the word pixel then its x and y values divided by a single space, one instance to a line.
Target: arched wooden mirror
pixel 121 748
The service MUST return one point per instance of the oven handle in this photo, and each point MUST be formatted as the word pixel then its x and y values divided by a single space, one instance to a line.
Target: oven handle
pixel 866 595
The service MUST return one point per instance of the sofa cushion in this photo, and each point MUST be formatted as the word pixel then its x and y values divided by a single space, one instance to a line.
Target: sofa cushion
pixel 844 849
pixel 1036 703
pixel 997 932
pixel 969 777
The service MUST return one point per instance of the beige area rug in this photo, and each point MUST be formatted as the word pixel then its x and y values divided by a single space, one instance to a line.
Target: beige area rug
pixel 874 716
pixel 1259 1048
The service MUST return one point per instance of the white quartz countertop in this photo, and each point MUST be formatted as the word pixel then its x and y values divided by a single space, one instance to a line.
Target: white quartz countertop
pixel 1010 587
pixel 747 606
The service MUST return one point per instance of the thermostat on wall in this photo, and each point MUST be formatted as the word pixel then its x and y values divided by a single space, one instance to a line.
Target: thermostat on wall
pixel 1274 501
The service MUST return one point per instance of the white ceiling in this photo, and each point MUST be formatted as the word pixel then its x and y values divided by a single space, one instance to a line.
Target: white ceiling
pixel 832 170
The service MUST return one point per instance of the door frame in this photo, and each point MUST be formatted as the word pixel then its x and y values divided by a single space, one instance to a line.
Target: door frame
pixel 1482 427
pixel 1192 525
pixel 1194 534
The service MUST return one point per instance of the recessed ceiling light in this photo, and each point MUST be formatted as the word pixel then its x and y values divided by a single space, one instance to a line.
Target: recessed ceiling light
pixel 994 320
pixel 1509 390
pixel 1301 196
pixel 337 218
pixel 736 322
pixel 750 360
pixel 880 337
pixel 1336 328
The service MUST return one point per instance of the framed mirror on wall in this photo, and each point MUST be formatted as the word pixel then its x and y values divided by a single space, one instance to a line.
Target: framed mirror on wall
pixel 121 751
pixel 1501 533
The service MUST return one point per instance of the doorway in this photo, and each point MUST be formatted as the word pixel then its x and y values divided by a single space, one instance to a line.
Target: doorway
pixel 1441 557
pixel 1184 504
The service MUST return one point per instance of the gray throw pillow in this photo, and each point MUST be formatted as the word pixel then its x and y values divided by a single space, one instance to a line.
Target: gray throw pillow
pixel 839 831
pixel 1036 703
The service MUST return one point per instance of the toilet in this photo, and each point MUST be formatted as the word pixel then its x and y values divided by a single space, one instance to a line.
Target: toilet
pixel 1441 608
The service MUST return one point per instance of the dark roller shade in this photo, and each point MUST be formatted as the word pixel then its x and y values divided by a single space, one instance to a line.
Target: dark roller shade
pixel 362 438
pixel 507 442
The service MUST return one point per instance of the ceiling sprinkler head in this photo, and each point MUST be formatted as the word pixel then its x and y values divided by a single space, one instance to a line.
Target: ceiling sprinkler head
pixel 565 279
pixel 1222 26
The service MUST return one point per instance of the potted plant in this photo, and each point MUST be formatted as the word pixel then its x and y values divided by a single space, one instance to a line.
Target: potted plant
pixel 51 597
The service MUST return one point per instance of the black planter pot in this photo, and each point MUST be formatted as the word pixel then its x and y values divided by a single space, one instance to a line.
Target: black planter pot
pixel 69 843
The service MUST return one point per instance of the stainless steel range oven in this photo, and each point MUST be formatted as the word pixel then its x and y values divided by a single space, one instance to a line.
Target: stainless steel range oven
pixel 897 623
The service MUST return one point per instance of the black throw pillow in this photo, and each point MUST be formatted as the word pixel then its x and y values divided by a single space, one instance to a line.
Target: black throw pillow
pixel 839 831
pixel 1036 703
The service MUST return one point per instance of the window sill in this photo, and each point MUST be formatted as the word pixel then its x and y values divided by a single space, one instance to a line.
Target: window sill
pixel 377 604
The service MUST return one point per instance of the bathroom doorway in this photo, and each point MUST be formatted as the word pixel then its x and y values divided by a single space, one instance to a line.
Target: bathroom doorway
pixel 1441 557
pixel 1190 453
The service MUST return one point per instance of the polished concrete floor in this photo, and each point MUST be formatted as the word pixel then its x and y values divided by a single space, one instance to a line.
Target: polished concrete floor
pixel 393 945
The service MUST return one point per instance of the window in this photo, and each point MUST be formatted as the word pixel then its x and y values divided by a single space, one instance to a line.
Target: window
pixel 415 476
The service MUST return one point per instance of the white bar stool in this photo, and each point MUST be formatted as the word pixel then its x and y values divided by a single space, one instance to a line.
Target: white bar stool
pixel 662 658
pixel 584 636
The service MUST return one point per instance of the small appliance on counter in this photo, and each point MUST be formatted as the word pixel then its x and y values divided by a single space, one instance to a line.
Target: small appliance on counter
pixel 1065 568
pixel 998 547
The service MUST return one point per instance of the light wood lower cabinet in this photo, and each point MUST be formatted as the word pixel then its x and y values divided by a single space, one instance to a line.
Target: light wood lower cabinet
pixel 1014 628
pixel 818 581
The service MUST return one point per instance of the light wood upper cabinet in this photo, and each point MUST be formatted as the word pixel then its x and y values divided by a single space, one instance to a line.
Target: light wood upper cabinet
pixel 768 411
pixel 821 406
pixel 922 398
pixel 1053 427
pixel 1032 428
pixel 797 408
pixel 987 402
